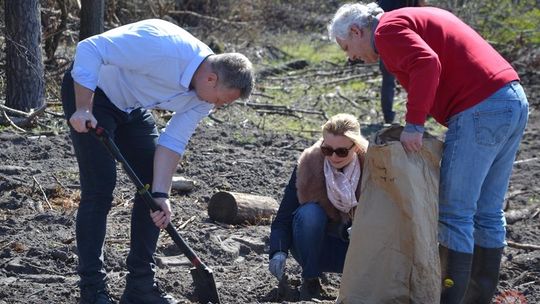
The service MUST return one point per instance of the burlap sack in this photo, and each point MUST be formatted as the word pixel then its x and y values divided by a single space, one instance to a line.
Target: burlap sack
pixel 393 255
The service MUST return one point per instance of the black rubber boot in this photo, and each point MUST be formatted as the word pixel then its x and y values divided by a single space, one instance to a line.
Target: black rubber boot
pixel 456 272
pixel 484 276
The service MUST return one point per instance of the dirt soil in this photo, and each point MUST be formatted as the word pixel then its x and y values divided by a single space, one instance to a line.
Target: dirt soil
pixel 39 195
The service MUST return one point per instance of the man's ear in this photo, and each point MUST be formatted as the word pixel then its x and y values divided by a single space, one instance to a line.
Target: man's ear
pixel 212 79
pixel 356 30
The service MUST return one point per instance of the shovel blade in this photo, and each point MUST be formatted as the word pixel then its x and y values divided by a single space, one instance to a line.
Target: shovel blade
pixel 205 285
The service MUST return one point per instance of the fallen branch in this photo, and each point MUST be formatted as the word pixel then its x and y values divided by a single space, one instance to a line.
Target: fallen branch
pixel 346 79
pixel 14 111
pixel 522 246
pixel 27 117
pixel 278 109
pixel 11 123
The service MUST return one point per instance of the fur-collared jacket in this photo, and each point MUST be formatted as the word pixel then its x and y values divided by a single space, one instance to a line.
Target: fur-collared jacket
pixel 311 184
pixel 307 184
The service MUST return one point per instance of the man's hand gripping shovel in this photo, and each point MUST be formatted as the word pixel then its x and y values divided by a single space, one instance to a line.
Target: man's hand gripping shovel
pixel 203 278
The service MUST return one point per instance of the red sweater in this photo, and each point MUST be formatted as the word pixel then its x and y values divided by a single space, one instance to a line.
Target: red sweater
pixel 442 63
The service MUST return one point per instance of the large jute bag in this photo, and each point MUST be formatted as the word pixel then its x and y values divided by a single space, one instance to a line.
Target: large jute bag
pixel 393 255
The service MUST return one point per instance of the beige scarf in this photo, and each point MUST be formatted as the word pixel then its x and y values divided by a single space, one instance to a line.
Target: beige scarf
pixel 341 186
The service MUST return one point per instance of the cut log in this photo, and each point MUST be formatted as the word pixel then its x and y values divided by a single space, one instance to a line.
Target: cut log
pixel 238 208
pixel 183 184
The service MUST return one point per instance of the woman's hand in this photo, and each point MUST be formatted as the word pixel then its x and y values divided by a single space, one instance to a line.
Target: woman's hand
pixel 277 264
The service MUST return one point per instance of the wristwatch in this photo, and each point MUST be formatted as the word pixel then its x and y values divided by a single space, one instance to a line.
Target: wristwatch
pixel 160 195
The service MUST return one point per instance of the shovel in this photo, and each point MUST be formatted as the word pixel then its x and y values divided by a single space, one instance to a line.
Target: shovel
pixel 203 278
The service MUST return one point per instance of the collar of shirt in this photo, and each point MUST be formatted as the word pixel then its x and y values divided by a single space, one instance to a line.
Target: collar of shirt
pixel 374 24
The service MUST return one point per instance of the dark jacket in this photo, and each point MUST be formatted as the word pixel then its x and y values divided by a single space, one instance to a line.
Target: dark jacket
pixel 389 5
pixel 308 176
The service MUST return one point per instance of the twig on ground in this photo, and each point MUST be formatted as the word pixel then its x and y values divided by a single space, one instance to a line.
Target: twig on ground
pixel 525 160
pixel 535 213
pixel 212 117
pixel 345 79
pixel 59 183
pixel 184 224
pixel 353 103
pixel 55 114
pixel 522 246
pixel 262 95
pixel 42 192
pixel 292 145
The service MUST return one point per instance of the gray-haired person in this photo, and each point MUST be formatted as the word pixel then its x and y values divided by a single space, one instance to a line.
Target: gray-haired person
pixel 116 78
pixel 452 74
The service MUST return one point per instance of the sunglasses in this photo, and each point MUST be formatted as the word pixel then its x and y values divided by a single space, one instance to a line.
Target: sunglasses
pixel 340 152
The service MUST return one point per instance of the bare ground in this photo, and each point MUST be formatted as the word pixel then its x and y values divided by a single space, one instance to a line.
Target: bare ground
pixel 39 194
pixel 38 255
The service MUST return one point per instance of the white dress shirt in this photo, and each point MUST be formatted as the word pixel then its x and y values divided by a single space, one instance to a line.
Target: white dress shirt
pixel 147 64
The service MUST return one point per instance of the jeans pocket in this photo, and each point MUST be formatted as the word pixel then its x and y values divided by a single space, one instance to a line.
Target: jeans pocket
pixel 492 127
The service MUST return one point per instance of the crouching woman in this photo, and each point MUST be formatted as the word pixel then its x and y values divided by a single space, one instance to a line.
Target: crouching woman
pixel 318 205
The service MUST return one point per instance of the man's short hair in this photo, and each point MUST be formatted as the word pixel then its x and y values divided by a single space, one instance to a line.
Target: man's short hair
pixel 234 71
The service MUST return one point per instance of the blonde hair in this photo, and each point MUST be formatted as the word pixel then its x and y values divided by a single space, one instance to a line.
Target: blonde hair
pixel 347 125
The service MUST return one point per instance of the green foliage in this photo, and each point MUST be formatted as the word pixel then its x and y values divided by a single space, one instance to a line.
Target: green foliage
pixel 508 22
pixel 312 50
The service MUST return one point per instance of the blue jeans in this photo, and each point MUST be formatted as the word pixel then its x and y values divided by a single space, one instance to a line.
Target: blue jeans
pixel 136 135
pixel 387 94
pixel 312 247
pixel 479 151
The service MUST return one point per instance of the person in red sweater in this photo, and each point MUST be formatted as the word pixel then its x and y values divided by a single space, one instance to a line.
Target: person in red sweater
pixel 452 74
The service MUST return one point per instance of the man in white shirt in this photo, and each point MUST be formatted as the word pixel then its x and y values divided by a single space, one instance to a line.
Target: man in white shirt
pixel 117 76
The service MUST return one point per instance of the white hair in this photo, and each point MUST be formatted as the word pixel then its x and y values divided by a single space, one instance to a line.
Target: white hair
pixel 350 14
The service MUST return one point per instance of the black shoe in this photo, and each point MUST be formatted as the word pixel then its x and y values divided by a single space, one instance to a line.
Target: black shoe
pixel 152 296
pixel 310 289
pixel 93 295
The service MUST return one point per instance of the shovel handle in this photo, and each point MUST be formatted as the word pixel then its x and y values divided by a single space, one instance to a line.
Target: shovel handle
pixel 102 135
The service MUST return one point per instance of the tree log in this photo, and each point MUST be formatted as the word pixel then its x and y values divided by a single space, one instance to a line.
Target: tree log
pixel 238 208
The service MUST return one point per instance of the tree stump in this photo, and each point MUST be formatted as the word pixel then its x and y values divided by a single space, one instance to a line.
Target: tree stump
pixel 238 208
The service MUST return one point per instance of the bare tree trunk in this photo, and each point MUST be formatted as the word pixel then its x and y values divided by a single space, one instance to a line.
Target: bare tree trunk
pixel 91 18
pixel 25 87
pixel 53 27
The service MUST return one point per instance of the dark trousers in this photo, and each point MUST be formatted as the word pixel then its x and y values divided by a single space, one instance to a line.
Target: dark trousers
pixel 313 248
pixel 387 94
pixel 136 135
